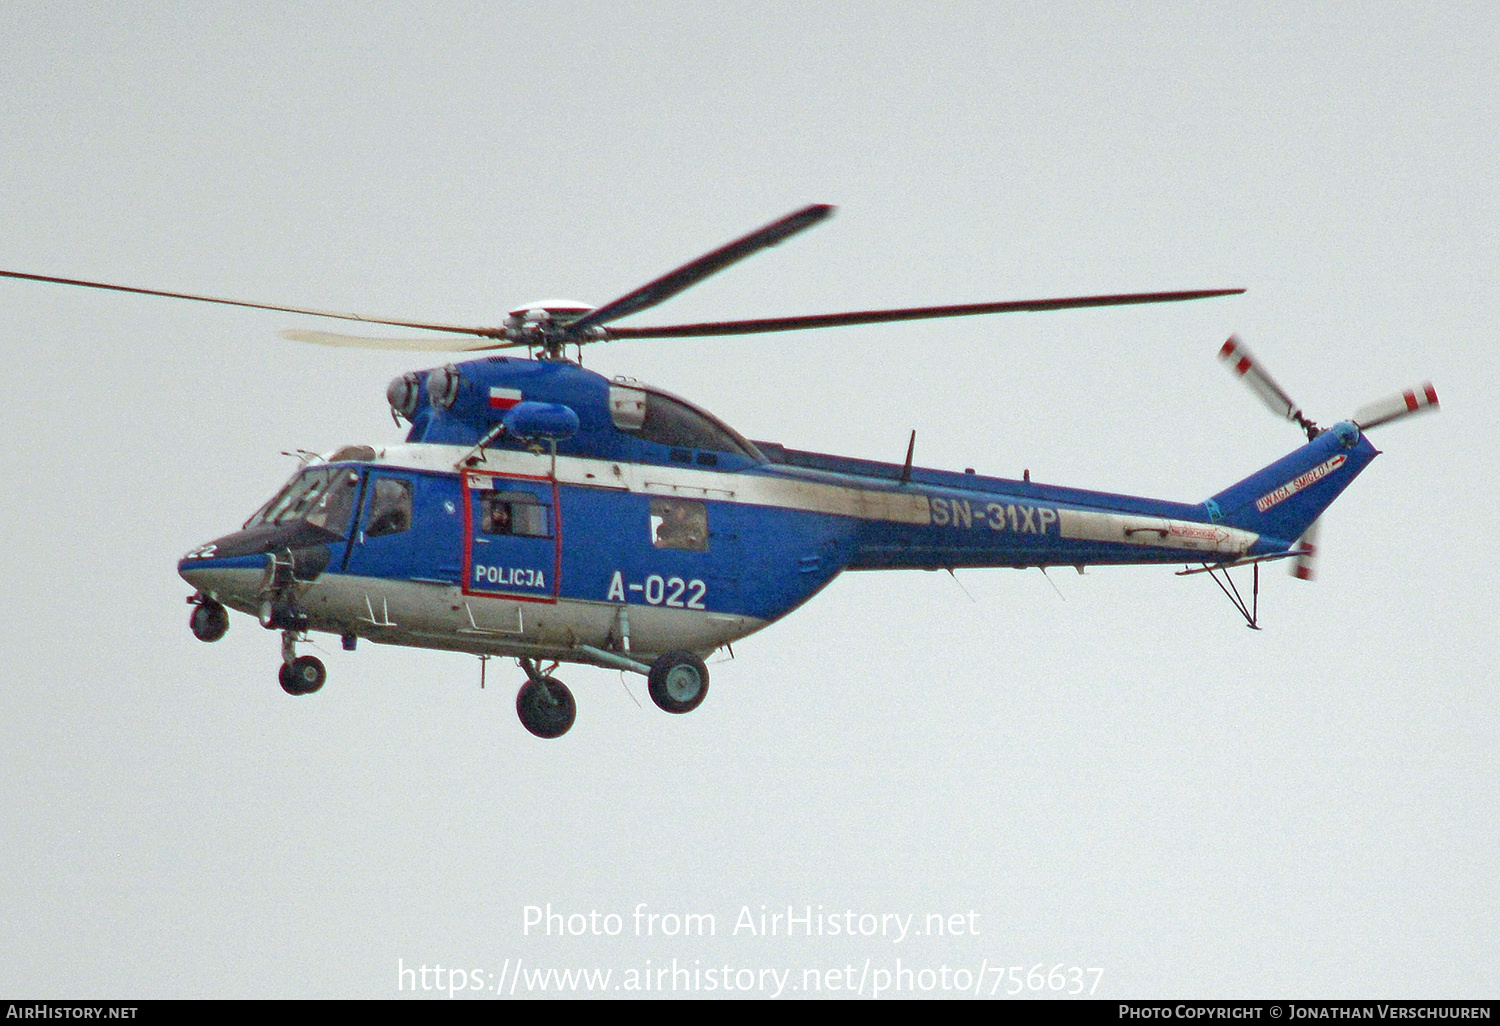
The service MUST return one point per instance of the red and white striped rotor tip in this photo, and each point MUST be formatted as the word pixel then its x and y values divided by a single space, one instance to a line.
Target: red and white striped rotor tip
pixel 1250 370
pixel 1403 404
pixel 1303 562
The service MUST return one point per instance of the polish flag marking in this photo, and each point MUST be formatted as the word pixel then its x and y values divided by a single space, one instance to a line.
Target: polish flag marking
pixel 504 398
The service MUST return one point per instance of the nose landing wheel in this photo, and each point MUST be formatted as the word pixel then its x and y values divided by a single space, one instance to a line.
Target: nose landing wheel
pixel 544 704
pixel 209 620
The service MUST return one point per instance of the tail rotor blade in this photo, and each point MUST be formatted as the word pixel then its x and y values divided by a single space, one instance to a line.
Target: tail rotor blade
pixel 1251 372
pixel 1383 411
pixel 1302 565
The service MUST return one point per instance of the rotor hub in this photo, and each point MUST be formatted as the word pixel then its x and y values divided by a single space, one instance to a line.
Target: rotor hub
pixel 545 323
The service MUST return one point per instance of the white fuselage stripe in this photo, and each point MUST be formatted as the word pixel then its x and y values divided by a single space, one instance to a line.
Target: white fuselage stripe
pixel 1156 532
pixel 749 488
pixel 788 492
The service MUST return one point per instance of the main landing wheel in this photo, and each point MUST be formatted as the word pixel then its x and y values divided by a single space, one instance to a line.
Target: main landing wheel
pixel 209 620
pixel 678 682
pixel 303 675
pixel 546 707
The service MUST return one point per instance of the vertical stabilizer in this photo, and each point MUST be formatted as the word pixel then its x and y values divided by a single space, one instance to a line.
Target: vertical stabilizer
pixel 1282 500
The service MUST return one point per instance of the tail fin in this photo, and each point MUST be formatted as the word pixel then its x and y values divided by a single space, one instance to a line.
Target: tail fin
pixel 1282 500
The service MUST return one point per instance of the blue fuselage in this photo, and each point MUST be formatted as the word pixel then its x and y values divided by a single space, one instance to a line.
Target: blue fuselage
pixel 654 505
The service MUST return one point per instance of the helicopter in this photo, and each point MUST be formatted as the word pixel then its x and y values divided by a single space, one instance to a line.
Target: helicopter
pixel 539 511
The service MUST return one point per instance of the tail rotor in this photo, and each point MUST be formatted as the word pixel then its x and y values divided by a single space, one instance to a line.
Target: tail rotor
pixel 1250 370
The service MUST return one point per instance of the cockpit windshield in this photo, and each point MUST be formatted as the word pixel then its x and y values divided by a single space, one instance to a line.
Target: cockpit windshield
pixel 320 496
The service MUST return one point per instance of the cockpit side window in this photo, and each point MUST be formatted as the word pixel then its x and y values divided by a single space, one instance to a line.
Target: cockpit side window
pixel 390 507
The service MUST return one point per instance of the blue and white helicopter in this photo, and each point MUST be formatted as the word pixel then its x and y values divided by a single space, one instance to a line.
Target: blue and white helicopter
pixel 539 511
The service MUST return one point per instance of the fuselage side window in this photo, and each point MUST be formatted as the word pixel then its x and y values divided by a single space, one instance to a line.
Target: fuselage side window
pixel 679 524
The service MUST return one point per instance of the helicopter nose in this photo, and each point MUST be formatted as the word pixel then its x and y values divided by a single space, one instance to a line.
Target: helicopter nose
pixel 223 576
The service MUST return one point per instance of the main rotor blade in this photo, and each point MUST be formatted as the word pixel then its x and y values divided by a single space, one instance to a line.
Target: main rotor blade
pixel 1383 411
pixel 689 274
pixel 909 314
pixel 1249 370
pixel 482 332
pixel 435 343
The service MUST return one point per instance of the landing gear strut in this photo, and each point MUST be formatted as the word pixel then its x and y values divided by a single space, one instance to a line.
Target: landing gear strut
pixel 544 704
pixel 300 675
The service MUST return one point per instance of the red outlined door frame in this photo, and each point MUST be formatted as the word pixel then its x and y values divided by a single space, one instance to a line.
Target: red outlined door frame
pixel 480 481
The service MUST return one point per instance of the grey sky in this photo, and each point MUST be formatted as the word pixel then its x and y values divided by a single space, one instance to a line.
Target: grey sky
pixel 1123 777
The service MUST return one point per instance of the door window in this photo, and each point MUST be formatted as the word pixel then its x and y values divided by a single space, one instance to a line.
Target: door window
pixel 518 513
